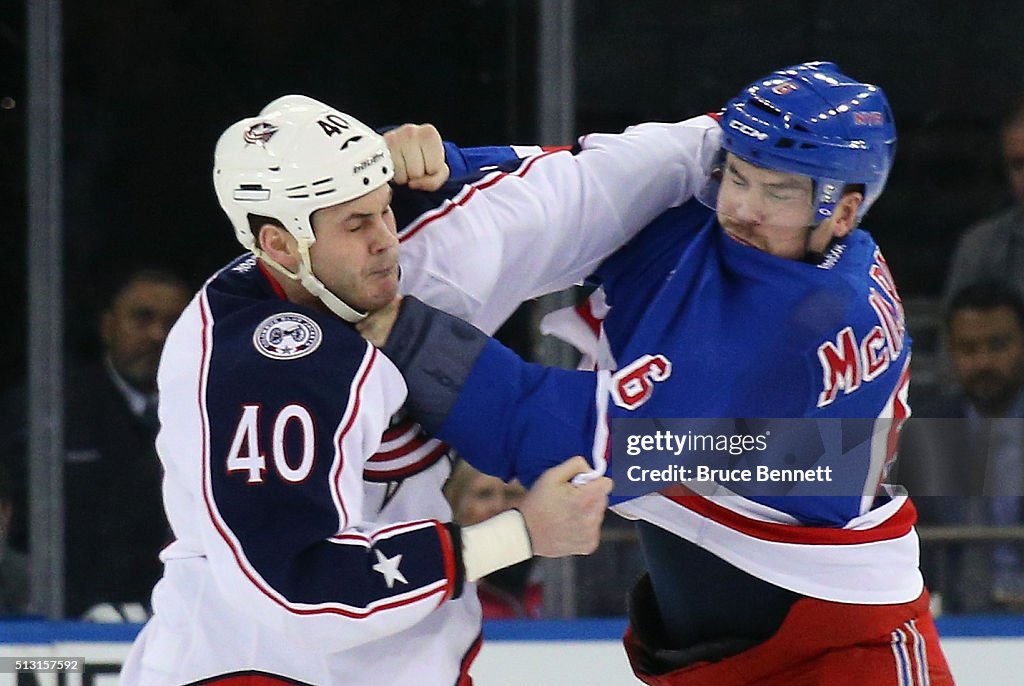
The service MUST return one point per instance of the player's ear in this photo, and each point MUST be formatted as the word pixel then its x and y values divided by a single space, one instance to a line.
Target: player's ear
pixel 279 245
pixel 844 217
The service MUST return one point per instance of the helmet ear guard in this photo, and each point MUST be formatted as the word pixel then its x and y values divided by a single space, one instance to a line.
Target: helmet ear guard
pixel 297 156
pixel 813 120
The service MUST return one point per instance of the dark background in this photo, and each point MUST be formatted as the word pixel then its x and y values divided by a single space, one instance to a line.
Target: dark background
pixel 150 85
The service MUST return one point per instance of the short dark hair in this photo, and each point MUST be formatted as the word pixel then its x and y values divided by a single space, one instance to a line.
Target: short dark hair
pixel 986 295
pixel 153 274
pixel 256 222
pixel 149 274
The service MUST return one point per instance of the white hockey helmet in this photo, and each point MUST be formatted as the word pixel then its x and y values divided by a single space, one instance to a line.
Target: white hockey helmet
pixel 298 156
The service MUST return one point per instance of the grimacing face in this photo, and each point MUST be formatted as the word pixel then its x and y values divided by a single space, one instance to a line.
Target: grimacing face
pixel 135 328
pixel 356 250
pixel 987 355
pixel 773 211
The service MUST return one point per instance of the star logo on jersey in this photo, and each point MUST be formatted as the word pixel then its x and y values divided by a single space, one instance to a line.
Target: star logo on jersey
pixel 388 568
pixel 287 336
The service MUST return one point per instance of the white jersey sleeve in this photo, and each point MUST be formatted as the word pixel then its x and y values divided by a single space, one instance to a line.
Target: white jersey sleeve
pixel 546 226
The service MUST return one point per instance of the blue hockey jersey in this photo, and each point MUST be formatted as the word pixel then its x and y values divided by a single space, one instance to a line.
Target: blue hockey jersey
pixel 699 325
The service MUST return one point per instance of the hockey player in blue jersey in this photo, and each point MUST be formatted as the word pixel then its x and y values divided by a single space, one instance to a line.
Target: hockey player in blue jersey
pixel 759 297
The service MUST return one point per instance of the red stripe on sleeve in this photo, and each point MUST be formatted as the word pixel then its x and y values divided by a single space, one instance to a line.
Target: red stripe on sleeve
pixel 449 559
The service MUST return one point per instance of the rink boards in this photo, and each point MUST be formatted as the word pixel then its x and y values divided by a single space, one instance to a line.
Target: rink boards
pixel 981 651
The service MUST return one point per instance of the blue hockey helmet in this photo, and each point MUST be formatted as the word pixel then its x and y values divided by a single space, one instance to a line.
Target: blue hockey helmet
pixel 813 120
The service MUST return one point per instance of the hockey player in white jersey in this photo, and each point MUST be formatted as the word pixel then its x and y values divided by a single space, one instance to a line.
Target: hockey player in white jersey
pixel 313 544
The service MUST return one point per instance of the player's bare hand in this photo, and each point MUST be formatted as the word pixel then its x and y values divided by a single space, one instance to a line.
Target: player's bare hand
pixel 564 519
pixel 376 326
pixel 418 156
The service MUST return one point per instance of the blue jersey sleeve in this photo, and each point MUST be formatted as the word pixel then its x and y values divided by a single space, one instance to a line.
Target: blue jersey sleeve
pixel 507 417
pixel 468 162
pixel 517 419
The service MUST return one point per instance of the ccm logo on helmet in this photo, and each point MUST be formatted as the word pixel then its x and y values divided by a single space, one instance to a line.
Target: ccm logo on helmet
pixel 633 385
pixel 747 130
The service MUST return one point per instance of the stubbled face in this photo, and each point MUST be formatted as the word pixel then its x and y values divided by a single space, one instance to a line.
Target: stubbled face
pixel 770 210
pixel 486 496
pixel 135 328
pixel 987 354
pixel 356 250
pixel 1013 156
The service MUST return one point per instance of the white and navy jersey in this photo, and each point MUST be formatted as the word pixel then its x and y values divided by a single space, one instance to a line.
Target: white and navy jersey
pixel 309 522
pixel 300 549
pixel 824 340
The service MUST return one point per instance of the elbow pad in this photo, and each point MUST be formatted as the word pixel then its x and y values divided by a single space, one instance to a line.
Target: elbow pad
pixel 435 353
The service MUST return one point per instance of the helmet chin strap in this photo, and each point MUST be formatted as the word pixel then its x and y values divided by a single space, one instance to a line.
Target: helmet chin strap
pixel 810 255
pixel 830 192
pixel 312 284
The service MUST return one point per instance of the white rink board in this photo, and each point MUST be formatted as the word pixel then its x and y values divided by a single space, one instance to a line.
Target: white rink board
pixel 974 662
pixel 509 660
pixel 539 663
pixel 985 661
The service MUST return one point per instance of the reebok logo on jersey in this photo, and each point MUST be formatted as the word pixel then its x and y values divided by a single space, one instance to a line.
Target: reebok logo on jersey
pixel 287 336
pixel 245 266
pixel 633 385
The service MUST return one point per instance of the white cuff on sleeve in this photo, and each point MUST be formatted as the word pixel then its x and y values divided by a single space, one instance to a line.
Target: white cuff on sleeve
pixel 494 543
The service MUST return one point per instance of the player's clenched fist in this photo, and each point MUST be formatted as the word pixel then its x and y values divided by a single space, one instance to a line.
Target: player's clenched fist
pixel 563 518
pixel 418 155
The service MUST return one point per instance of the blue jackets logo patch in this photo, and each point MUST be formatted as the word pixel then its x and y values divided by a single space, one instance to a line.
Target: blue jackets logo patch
pixel 287 336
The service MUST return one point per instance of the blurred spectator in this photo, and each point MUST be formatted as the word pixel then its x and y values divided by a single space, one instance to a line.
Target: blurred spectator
pixel 968 446
pixel 994 247
pixel 508 593
pixel 14 584
pixel 114 520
